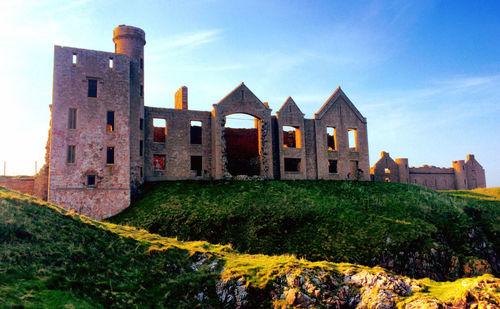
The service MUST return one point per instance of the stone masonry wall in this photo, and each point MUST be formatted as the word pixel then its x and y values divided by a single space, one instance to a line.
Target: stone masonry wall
pixel 22 184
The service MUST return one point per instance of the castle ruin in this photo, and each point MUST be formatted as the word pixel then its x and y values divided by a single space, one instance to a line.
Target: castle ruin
pixel 104 142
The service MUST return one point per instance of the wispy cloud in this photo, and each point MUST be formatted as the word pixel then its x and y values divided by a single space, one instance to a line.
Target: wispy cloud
pixel 186 40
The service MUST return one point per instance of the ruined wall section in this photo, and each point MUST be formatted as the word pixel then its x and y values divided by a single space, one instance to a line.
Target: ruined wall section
pixel 436 178
pixel 385 169
pixel 177 148
pixel 310 148
pixel 69 182
pixel 290 115
pixel 340 113
pixel 476 177
pixel 23 184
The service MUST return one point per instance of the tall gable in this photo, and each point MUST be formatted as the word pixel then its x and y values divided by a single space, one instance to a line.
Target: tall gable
pixel 242 100
pixel 335 98
pixel 289 107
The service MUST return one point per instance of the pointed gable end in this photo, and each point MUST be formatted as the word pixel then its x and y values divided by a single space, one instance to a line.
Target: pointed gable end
pixel 242 99
pixel 289 107
pixel 338 94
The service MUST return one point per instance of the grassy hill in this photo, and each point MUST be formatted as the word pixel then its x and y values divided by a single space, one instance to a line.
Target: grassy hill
pixel 406 228
pixel 50 258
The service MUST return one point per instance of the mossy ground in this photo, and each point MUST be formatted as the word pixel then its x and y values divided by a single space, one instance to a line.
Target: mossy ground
pixel 341 221
pixel 51 258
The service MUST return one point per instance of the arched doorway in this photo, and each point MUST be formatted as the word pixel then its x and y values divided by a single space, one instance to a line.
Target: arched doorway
pixel 242 136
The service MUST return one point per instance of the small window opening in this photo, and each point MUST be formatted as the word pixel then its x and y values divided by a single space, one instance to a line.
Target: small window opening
pixel 141 148
pixel 331 138
pixel 141 124
pixel 70 158
pixel 159 130
pixel 353 139
pixel 110 155
pixel 292 165
pixel 291 137
pixel 195 131
pixel 75 58
pixel 92 91
pixel 110 121
pixel 387 179
pixel 159 162
pixel 141 91
pixel 111 63
pixel 332 167
pixel 141 63
pixel 140 171
pixel 387 171
pixel 72 118
pixel 91 180
pixel 196 165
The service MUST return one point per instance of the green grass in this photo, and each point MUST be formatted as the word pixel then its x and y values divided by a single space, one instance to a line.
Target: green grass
pixel 341 221
pixel 51 258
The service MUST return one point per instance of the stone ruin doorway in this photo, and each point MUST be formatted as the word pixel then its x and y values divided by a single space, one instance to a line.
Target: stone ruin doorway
pixel 242 135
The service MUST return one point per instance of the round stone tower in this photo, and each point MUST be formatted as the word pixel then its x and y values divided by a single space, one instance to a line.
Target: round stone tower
pixel 129 41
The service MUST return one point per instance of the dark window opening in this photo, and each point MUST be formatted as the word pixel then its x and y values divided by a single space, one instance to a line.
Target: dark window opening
pixel 111 63
pixel 292 165
pixel 72 118
pixel 110 121
pixel 331 138
pixel 159 162
pixel 75 58
pixel 92 91
pixel 353 139
pixel 110 155
pixel 141 63
pixel 140 171
pixel 70 158
pixel 91 180
pixel 195 132
pixel 332 167
pixel 141 148
pixel 141 91
pixel 141 124
pixel 159 130
pixel 291 137
pixel 196 164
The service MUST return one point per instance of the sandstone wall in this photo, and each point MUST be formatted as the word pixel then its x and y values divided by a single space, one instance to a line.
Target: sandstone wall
pixel 22 184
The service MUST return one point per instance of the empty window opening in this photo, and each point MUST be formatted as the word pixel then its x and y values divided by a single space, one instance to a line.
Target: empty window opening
pixel 387 171
pixel 196 165
pixel 242 136
pixel 91 180
pixel 159 162
pixel 75 58
pixel 72 118
pixel 159 130
pixel 387 179
pixel 292 165
pixel 291 137
pixel 141 148
pixel 70 157
pixel 92 91
pixel 332 167
pixel 111 63
pixel 195 132
pixel 141 124
pixel 110 121
pixel 353 139
pixel 331 138
pixel 110 155
pixel 141 63
pixel 141 91
pixel 140 171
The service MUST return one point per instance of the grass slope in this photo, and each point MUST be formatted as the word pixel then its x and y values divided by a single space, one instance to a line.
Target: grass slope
pixel 50 258
pixel 363 222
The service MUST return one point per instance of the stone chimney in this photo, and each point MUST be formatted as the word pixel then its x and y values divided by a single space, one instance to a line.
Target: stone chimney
pixel 181 98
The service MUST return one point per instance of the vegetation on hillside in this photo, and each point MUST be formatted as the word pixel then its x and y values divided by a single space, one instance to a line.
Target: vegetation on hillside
pixel 409 229
pixel 50 258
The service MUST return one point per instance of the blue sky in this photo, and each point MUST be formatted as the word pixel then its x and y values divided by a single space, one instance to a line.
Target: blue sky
pixel 426 74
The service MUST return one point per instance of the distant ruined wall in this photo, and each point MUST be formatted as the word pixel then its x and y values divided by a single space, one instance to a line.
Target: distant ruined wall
pixel 22 184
